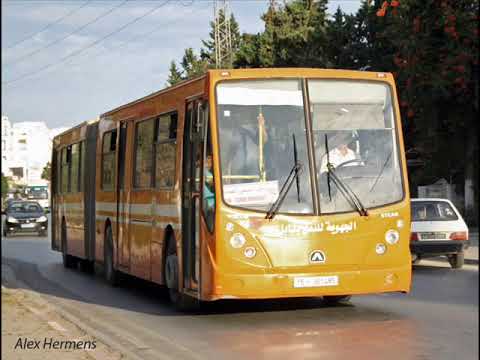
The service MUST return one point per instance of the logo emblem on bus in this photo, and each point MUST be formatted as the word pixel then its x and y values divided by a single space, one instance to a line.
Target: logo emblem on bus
pixel 317 256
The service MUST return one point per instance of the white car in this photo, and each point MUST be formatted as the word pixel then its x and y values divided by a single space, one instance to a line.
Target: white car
pixel 438 229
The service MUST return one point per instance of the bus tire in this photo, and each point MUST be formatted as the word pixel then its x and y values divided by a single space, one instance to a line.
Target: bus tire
pixel 182 302
pixel 87 266
pixel 69 261
pixel 335 299
pixel 111 275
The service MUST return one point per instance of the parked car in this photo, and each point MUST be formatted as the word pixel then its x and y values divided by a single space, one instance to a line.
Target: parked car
pixel 25 216
pixel 438 229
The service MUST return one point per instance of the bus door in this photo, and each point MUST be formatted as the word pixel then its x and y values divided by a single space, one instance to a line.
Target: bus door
pixel 122 200
pixel 191 186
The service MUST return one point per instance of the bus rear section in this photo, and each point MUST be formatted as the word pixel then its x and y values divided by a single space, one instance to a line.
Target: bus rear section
pixel 73 194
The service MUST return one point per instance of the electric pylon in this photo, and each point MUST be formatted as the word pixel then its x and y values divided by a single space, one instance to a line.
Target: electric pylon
pixel 223 35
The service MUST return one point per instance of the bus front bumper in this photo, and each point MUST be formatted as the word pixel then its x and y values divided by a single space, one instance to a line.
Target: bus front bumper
pixel 266 286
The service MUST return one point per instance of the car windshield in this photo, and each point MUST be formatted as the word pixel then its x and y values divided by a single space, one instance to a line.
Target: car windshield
pixel 262 136
pixel 24 208
pixel 354 131
pixel 38 194
pixel 432 211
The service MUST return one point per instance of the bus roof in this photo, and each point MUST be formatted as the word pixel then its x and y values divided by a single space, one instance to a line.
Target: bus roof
pixel 68 131
pixel 264 73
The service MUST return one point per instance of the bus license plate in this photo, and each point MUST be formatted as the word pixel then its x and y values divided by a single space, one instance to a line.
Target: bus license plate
pixel 315 281
pixel 27 226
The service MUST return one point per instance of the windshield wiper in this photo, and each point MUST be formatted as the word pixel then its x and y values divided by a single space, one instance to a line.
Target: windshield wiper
pixel 297 168
pixel 349 194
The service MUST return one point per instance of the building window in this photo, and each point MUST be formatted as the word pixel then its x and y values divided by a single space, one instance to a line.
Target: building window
pixel 144 154
pixel 165 150
pixel 108 160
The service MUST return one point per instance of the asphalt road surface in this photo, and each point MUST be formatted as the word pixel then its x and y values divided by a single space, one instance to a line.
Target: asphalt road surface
pixel 437 320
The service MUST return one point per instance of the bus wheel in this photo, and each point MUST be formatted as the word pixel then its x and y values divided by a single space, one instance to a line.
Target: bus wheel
pixel 181 301
pixel 68 260
pixel 335 299
pixel 111 275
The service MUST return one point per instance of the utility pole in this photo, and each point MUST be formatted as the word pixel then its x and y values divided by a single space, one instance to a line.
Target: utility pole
pixel 223 34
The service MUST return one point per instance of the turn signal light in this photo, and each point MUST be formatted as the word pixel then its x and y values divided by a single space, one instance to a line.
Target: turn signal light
pixel 459 235
pixel 413 236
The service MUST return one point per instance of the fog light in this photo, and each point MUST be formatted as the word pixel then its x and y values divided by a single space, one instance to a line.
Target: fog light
pixel 237 240
pixel 250 252
pixel 392 237
pixel 380 249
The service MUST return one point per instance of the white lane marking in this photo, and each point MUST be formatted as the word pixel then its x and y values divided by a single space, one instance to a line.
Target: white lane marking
pixel 56 326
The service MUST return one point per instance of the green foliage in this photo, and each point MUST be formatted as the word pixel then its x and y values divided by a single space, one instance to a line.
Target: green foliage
pixel 46 172
pixel 5 186
pixel 175 75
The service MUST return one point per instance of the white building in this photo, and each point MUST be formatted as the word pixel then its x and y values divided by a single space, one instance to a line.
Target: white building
pixel 28 148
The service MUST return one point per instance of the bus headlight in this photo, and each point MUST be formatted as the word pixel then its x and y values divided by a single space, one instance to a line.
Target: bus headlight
pixel 42 219
pixel 12 220
pixel 380 249
pixel 250 252
pixel 237 240
pixel 392 237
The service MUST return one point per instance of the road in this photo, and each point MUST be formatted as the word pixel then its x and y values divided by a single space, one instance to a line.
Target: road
pixel 437 320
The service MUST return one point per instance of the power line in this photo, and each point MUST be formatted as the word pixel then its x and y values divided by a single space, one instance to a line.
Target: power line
pixel 48 26
pixel 142 35
pixel 79 51
pixel 67 36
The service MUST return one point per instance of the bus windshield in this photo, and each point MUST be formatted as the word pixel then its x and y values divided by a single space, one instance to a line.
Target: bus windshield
pixel 354 132
pixel 262 137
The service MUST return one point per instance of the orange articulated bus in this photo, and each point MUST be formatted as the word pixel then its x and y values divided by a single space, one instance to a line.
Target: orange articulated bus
pixel 242 184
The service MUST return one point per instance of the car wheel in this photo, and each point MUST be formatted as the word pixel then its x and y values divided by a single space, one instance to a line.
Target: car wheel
pixel 5 233
pixel 42 233
pixel 336 299
pixel 181 301
pixel 111 275
pixel 457 260
pixel 415 259
pixel 69 261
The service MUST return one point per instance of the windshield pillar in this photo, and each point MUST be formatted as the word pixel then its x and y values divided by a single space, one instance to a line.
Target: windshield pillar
pixel 310 148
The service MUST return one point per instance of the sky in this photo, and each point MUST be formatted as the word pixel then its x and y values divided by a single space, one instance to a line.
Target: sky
pixel 68 61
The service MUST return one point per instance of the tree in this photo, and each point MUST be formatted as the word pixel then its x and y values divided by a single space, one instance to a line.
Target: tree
pixel 339 45
pixel 46 172
pixel 192 65
pixel 435 62
pixel 5 186
pixel 175 75
pixel 294 36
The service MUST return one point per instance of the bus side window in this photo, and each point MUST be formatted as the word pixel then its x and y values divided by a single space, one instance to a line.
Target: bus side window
pixel 165 150
pixel 143 169
pixel 108 160
pixel 74 168
pixel 65 169
pixel 208 188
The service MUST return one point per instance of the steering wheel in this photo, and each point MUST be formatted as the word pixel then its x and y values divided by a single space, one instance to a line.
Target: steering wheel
pixel 356 161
